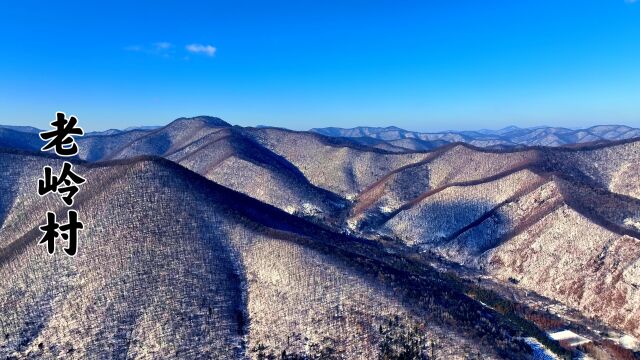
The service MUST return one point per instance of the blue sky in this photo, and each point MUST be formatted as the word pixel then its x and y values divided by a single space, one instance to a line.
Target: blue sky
pixel 421 65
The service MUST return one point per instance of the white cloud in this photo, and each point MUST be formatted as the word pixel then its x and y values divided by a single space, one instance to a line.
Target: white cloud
pixel 201 49
pixel 167 49
pixel 162 48
pixel 162 45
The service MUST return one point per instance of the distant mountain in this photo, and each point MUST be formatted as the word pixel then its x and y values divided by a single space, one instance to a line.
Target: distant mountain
pixel 27 129
pixel 146 127
pixel 105 132
pixel 12 138
pixel 33 130
pixel 511 136
pixel 118 131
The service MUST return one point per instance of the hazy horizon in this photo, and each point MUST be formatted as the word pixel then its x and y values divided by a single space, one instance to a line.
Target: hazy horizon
pixel 44 125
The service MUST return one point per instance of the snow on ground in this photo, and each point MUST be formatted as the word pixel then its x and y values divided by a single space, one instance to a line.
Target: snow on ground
pixel 626 341
pixel 570 337
pixel 629 342
pixel 632 223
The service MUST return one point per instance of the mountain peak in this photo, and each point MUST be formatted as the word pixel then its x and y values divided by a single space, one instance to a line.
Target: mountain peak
pixel 209 120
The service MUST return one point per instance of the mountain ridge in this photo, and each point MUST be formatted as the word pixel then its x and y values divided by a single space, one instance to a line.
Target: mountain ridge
pixel 510 136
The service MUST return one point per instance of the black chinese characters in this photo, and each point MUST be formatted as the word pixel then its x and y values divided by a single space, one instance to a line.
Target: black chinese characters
pixel 67 178
pixel 65 184
pixel 62 137
pixel 69 232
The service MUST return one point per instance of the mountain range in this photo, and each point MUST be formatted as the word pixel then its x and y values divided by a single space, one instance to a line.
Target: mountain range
pixel 207 240
pixel 511 136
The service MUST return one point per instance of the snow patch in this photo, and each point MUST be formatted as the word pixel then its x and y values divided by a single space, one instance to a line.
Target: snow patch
pixel 352 224
pixel 310 209
pixel 629 342
pixel 632 222
pixel 385 209
pixel 570 337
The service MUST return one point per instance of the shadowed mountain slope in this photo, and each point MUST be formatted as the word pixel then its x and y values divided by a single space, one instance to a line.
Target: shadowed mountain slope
pixel 11 138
